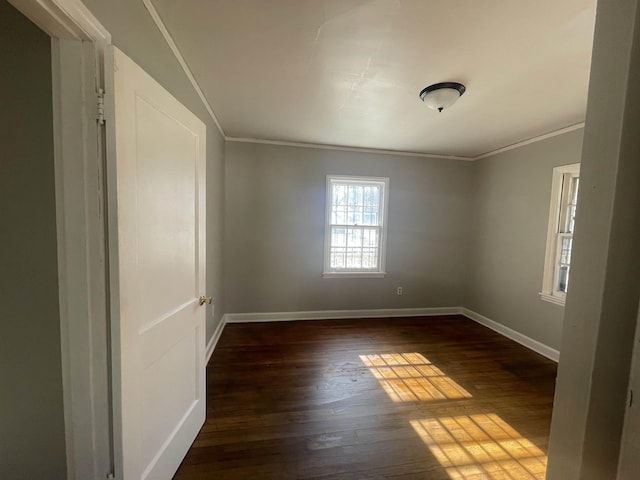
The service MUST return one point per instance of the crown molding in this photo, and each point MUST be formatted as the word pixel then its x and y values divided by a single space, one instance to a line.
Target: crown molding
pixel 181 60
pixel 340 148
pixel 513 146
pixel 529 141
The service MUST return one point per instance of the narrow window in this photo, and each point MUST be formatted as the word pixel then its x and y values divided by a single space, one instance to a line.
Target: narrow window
pixel 562 214
pixel 355 230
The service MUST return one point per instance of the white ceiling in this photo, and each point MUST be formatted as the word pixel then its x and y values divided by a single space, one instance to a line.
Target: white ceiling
pixel 348 72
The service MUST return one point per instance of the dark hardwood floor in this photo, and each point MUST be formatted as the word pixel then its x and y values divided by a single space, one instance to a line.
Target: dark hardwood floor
pixel 402 398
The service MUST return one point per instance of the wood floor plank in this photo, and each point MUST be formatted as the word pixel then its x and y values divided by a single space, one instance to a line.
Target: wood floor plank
pixel 392 398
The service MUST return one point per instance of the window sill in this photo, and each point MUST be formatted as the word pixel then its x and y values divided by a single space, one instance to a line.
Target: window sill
pixel 354 274
pixel 552 299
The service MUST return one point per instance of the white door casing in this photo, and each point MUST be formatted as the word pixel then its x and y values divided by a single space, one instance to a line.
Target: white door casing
pixel 78 42
pixel 157 260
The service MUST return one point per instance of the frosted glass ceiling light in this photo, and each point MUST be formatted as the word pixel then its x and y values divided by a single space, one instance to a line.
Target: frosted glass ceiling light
pixel 442 95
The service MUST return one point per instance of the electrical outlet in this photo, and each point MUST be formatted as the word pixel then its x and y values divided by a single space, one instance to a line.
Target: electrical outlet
pixel 399 291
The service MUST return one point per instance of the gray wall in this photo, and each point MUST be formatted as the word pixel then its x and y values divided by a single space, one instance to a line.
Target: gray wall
pixel 460 234
pixel 32 441
pixel 510 215
pixel 134 32
pixel 274 230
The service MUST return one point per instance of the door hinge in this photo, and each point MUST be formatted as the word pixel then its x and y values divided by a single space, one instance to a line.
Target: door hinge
pixel 100 95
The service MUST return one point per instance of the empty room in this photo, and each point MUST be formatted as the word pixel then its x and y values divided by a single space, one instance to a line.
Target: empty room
pixel 320 239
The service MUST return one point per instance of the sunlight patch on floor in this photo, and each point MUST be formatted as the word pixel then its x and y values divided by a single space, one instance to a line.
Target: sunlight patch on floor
pixel 483 446
pixel 410 377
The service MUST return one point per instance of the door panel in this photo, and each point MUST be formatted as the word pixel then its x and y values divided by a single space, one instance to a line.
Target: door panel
pixel 166 209
pixel 159 324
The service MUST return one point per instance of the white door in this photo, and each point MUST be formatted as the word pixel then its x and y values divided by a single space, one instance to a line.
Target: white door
pixel 157 246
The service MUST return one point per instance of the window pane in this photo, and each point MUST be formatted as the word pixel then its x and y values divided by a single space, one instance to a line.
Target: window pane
pixel 338 257
pixel 369 219
pixel 354 237
pixel 370 216
pixel 575 181
pixel 564 261
pixel 572 218
pixel 370 258
pixel 372 196
pixel 338 237
pixel 571 211
pixel 354 257
pixel 565 250
pixel 339 215
pixel 354 215
pixel 339 194
pixel 355 195
pixel 370 237
pixel 563 279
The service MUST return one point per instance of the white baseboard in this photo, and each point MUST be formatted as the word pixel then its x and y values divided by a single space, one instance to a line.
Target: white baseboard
pixel 213 341
pixel 337 314
pixel 518 337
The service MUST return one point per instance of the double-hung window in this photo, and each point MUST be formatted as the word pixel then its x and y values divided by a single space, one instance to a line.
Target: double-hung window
pixel 355 230
pixel 564 196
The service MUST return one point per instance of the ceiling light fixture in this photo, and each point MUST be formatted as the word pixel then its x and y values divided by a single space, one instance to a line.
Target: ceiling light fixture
pixel 442 95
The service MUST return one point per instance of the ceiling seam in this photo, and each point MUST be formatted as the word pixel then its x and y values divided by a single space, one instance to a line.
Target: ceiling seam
pixel 181 60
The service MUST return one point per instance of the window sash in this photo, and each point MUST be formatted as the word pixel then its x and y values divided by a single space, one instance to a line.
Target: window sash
pixel 568 202
pixel 355 204
pixel 564 244
pixel 358 252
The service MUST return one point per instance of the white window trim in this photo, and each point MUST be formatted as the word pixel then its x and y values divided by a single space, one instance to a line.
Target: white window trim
pixel 548 293
pixel 327 272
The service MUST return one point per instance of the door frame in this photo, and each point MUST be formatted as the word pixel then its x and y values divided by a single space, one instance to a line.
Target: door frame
pixel 630 442
pixel 78 45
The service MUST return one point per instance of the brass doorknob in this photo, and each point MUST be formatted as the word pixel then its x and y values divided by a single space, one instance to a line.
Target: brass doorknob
pixel 204 300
